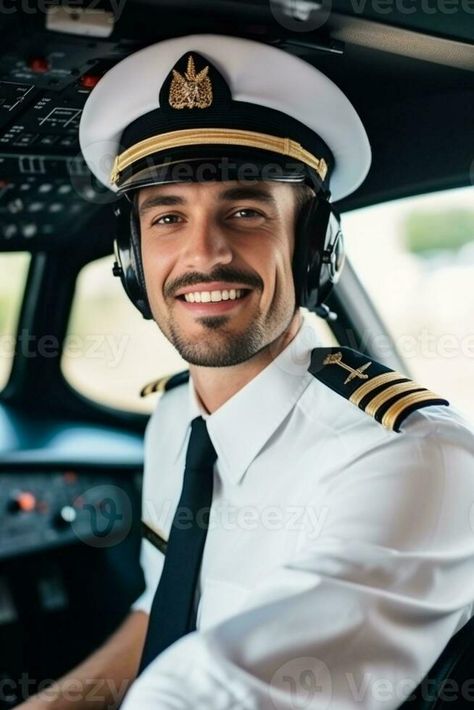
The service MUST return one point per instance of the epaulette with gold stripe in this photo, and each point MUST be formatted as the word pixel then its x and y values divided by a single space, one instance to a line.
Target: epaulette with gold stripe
pixel 384 394
pixel 163 384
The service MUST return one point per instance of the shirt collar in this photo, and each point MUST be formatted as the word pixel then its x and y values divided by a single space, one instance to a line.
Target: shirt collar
pixel 242 425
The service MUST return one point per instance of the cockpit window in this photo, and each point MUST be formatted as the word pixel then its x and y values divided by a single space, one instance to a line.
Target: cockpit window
pixel 415 257
pixel 110 351
pixel 13 271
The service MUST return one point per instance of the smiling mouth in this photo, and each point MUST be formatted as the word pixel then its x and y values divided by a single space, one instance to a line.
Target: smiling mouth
pixel 211 297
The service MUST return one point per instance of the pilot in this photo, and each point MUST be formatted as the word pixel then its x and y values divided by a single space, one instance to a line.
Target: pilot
pixel 307 511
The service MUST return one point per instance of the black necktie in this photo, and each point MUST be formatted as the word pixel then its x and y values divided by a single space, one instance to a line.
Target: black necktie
pixel 171 613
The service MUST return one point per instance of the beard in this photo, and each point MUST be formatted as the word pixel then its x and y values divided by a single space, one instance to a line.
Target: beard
pixel 220 346
pixel 223 348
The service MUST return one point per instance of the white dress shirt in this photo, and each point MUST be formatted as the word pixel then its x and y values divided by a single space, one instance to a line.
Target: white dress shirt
pixel 339 558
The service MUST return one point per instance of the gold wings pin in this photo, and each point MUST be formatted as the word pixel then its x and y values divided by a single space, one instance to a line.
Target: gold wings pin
pixel 191 90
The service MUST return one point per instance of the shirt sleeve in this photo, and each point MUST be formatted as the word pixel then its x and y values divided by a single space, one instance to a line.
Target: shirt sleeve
pixel 361 613
pixel 151 559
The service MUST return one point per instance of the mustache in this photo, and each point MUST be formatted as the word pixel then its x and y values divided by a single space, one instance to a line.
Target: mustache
pixel 220 274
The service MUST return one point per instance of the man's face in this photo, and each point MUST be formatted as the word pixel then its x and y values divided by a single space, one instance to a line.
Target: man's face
pixel 217 239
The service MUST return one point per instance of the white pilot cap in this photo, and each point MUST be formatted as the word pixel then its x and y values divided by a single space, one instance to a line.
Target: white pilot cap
pixel 208 97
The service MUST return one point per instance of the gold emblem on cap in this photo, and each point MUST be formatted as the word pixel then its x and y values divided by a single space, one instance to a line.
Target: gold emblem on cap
pixel 336 359
pixel 191 90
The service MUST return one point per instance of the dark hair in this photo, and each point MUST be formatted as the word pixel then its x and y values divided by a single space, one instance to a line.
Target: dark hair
pixel 303 193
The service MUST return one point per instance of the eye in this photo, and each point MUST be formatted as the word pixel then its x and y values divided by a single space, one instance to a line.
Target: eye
pixel 166 219
pixel 249 213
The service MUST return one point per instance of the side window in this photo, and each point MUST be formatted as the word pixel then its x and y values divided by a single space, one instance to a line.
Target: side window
pixel 416 259
pixel 13 272
pixel 111 352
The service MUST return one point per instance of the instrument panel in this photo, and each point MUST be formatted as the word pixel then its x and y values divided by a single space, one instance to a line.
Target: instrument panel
pixel 62 507
pixel 46 189
pixel 69 544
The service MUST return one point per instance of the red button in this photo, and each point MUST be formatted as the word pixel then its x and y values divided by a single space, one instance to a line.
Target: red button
pixel 26 501
pixel 88 81
pixel 40 65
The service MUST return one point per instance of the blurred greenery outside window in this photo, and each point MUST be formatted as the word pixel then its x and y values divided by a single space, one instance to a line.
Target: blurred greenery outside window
pixel 13 272
pixel 111 352
pixel 415 257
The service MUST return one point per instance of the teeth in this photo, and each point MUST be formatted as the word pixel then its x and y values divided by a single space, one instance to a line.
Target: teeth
pixel 214 296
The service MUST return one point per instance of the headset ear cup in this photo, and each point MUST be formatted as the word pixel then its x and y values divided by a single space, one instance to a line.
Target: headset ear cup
pixel 332 260
pixel 300 257
pixel 309 247
pixel 141 301
pixel 319 253
pixel 128 258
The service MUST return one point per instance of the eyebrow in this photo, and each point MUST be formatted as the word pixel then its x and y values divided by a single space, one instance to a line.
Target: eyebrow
pixel 158 200
pixel 247 193
pixel 231 194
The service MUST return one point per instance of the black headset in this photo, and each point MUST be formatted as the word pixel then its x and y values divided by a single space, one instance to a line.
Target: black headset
pixel 128 264
pixel 318 257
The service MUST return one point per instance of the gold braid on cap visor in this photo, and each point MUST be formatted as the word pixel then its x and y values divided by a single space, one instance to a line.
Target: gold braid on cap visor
pixel 210 136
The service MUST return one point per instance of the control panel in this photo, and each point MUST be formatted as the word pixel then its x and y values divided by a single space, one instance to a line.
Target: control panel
pixel 46 189
pixel 43 510
pixel 33 208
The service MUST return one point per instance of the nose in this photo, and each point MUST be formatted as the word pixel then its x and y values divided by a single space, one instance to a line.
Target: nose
pixel 206 245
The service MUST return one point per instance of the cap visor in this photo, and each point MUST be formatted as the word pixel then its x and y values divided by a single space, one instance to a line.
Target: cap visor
pixel 251 166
